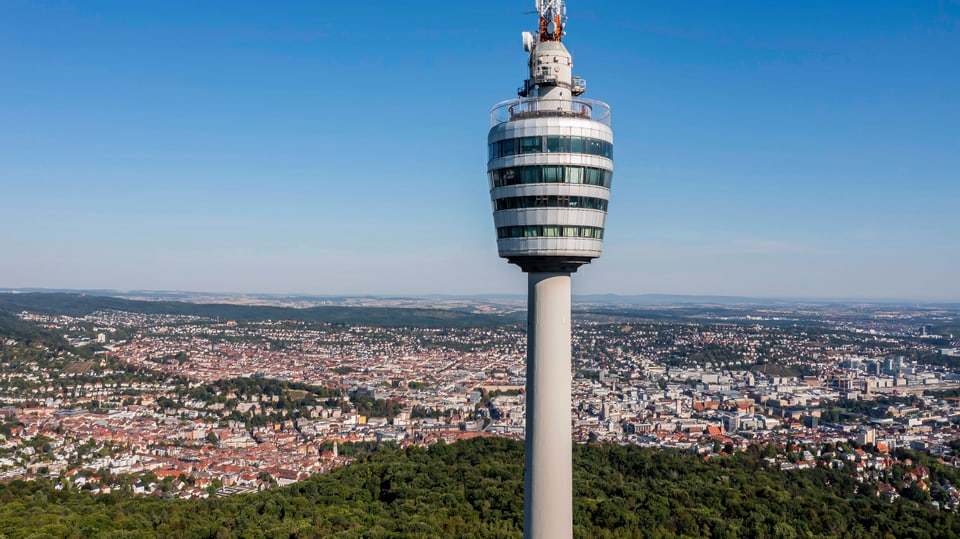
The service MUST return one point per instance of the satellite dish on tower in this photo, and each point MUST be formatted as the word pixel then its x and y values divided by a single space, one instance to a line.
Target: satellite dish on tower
pixel 527 41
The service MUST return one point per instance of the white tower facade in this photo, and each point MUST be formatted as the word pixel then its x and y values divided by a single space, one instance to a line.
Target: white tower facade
pixel 550 169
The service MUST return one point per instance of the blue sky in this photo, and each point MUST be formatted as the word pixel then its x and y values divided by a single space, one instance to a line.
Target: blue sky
pixel 807 149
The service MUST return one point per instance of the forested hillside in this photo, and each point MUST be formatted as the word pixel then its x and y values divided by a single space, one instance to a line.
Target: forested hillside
pixel 81 305
pixel 474 489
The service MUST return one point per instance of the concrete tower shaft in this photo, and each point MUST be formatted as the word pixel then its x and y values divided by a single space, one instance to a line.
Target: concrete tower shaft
pixel 548 481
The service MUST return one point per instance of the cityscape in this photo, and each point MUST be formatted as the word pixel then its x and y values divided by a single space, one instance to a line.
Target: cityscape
pixel 188 406
pixel 249 286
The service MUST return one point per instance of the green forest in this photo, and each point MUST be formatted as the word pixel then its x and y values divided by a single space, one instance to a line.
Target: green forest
pixel 474 489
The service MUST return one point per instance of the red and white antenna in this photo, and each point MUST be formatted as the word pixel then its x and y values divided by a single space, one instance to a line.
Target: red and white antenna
pixel 553 17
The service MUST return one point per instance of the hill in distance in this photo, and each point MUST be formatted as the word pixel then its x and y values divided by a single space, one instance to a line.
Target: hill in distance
pixel 72 304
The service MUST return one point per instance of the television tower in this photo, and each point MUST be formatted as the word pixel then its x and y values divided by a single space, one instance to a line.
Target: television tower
pixel 550 166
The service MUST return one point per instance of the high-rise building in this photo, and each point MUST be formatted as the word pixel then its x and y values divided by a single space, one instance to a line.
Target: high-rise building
pixel 550 168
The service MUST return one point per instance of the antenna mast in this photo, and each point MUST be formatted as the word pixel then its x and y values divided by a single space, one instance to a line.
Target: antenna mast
pixel 553 17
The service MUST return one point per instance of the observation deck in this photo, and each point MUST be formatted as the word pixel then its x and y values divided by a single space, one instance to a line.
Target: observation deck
pixel 550 166
pixel 523 108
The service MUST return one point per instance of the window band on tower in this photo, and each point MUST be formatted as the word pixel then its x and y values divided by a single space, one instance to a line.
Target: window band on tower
pixel 551 144
pixel 549 231
pixel 550 174
pixel 550 201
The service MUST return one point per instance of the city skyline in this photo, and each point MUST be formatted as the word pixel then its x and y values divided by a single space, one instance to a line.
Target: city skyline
pixel 762 151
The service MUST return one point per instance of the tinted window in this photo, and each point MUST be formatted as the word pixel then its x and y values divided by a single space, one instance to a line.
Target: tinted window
pixel 530 145
pixel 594 146
pixel 552 174
pixel 554 144
pixel 549 231
pixel 550 201
pixel 530 175
pixel 576 145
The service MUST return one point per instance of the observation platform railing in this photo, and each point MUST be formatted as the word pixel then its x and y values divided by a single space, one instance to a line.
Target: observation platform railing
pixel 522 108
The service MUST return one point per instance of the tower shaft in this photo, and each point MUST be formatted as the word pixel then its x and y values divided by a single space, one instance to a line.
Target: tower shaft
pixel 548 483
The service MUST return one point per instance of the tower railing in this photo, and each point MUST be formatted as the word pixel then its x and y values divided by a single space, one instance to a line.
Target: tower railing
pixel 535 107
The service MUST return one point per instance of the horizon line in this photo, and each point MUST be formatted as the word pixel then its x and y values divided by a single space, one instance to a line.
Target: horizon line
pixel 480 295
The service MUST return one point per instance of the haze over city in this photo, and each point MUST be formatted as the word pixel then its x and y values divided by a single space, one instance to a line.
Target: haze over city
pixel 803 150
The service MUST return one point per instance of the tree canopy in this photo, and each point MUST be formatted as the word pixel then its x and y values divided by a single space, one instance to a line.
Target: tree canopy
pixel 475 489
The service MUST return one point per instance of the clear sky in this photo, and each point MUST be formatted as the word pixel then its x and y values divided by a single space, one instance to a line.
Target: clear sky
pixel 793 149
